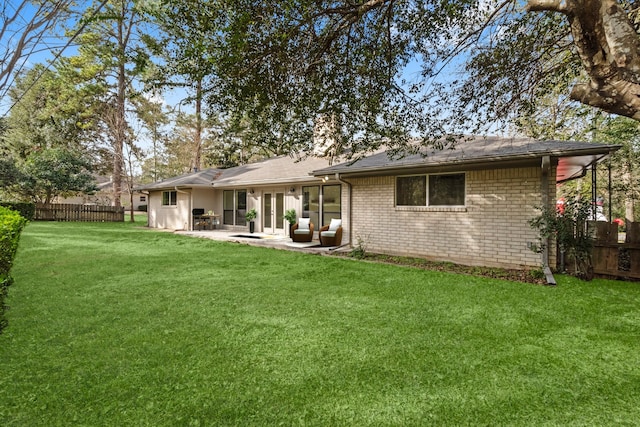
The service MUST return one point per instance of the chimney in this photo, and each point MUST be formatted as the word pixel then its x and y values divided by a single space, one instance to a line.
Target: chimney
pixel 324 136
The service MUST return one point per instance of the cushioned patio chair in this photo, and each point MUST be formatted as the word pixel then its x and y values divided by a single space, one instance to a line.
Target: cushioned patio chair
pixel 302 231
pixel 331 235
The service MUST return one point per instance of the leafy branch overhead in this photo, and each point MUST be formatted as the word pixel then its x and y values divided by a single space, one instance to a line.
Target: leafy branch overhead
pixel 387 69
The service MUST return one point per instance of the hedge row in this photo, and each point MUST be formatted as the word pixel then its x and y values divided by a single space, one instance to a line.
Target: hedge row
pixel 11 225
pixel 27 210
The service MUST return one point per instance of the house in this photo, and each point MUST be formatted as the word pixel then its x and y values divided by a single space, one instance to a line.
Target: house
pixel 270 186
pixel 471 205
pixel 170 201
pixel 104 196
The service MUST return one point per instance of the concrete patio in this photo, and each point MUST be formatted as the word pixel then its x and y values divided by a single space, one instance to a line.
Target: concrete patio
pixel 264 240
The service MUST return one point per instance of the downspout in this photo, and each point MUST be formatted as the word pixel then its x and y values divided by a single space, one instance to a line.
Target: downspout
pixel 594 192
pixel 610 190
pixel 189 215
pixel 348 184
pixel 544 191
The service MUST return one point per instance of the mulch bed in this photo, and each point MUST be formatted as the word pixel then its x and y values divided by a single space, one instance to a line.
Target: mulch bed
pixel 526 276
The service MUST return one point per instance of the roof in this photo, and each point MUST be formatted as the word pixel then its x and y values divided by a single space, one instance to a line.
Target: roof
pixel 276 170
pixel 201 178
pixel 573 157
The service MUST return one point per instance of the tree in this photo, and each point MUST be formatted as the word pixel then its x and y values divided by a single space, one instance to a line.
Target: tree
pixel 607 42
pixel 111 55
pixel 287 65
pixel 624 162
pixel 179 147
pixel 10 175
pixel 49 111
pixel 186 52
pixel 55 172
pixel 154 119
pixel 45 143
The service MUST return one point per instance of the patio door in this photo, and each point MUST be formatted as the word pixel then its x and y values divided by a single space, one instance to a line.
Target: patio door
pixel 273 213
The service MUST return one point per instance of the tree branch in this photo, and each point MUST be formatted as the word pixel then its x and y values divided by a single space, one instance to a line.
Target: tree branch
pixel 609 50
pixel 620 97
pixel 550 5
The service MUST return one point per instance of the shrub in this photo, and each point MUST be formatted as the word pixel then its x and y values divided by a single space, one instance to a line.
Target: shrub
pixel 11 225
pixel 569 229
pixel 142 208
pixel 360 250
pixel 25 209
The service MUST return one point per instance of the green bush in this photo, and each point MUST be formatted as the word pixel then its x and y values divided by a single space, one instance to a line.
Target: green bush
pixel 11 225
pixel 27 210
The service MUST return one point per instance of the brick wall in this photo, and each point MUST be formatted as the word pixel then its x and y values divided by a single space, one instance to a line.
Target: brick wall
pixel 491 230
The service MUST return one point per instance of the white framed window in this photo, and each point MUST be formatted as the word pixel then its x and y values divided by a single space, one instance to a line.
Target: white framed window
pixel 169 198
pixel 322 202
pixel 431 190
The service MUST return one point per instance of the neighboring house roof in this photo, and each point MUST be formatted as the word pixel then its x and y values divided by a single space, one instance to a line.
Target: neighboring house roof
pixel 201 178
pixel 479 152
pixel 276 170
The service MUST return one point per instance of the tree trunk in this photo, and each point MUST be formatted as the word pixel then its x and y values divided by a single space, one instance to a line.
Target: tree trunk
pixel 132 217
pixel 120 119
pixel 628 210
pixel 627 181
pixel 609 49
pixel 197 139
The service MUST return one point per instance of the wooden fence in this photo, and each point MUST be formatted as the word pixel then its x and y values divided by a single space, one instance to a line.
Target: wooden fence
pixel 612 257
pixel 87 213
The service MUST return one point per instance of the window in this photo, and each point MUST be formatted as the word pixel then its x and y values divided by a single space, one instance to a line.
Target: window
pixel 169 198
pixel 311 204
pixel 431 190
pixel 411 191
pixel 330 203
pixel 234 207
pixel 321 203
pixel 143 198
pixel 446 190
pixel 241 207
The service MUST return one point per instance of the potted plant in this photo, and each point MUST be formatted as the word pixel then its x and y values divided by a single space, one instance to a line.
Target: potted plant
pixel 291 217
pixel 250 216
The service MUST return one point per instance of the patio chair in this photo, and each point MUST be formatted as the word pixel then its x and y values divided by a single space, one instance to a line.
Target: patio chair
pixel 331 235
pixel 302 231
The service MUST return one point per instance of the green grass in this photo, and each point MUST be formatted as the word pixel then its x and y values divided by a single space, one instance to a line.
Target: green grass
pixel 112 325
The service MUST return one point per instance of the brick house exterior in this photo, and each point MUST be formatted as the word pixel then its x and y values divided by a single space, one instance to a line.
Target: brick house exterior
pixel 506 181
pixel 490 230
pixel 471 205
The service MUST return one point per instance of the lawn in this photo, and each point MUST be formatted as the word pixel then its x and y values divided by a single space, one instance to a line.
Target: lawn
pixel 114 325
